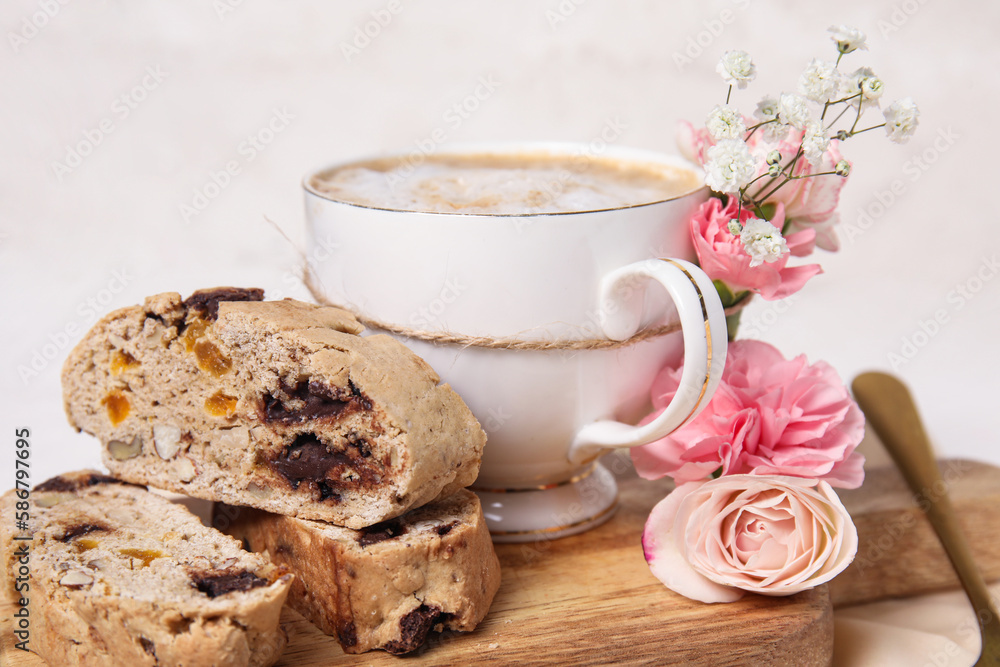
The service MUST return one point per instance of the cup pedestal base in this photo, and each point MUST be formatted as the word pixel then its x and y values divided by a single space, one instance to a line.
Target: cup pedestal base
pixel 530 515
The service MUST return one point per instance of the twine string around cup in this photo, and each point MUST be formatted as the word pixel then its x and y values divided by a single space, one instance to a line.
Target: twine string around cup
pixel 502 342
pixel 489 342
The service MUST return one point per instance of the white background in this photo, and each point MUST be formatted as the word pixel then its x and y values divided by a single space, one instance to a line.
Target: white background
pixel 110 230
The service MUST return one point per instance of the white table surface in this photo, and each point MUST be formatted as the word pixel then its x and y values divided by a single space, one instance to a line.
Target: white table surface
pixel 167 94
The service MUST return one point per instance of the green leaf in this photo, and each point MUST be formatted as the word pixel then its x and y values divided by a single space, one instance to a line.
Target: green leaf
pixel 725 293
pixel 768 210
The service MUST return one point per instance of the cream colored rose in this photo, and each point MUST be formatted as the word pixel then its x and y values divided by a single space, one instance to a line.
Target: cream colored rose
pixel 711 541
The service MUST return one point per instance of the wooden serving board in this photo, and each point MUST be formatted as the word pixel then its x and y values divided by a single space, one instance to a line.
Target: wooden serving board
pixel 898 552
pixel 590 599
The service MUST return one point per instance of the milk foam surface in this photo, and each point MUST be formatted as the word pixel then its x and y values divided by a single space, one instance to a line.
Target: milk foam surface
pixel 504 184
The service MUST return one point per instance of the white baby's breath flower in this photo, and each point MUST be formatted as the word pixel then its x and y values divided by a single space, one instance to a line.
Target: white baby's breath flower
pixel 871 87
pixel 729 166
pixel 763 242
pixel 820 81
pixel 736 68
pixel 767 110
pixel 815 142
pixel 725 122
pixel 865 81
pixel 847 39
pixel 735 227
pixel 843 168
pixel 901 119
pixel 793 110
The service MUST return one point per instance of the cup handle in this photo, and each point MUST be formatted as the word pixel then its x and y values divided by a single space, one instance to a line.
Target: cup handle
pixel 703 325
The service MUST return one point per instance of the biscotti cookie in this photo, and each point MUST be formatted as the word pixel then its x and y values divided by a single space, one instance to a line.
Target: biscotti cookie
pixel 278 405
pixel 118 575
pixel 386 586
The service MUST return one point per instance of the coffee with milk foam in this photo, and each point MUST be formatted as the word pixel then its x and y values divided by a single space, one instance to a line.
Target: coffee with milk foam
pixel 504 184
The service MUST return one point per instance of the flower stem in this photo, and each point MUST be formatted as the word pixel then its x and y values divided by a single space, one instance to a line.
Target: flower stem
pixel 756 206
pixel 778 187
pixel 764 175
pixel 844 99
pixel 733 325
pixel 729 299
pixel 772 180
pixel 839 116
pixel 873 127
pixel 856 118
pixel 820 173
pixel 788 179
pixel 729 93
pixel 791 166
pixel 754 128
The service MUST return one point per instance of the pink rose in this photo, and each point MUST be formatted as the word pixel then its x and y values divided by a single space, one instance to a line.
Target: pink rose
pixel 723 257
pixel 711 541
pixel 769 416
pixel 810 203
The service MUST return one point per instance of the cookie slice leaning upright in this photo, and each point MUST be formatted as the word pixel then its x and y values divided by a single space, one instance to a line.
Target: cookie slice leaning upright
pixel 279 405
pixel 117 575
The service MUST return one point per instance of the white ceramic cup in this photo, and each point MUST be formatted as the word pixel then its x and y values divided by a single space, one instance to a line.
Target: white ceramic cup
pixel 538 277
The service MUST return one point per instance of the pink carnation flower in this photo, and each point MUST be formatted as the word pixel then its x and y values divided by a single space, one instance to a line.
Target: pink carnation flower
pixel 769 416
pixel 810 203
pixel 723 257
